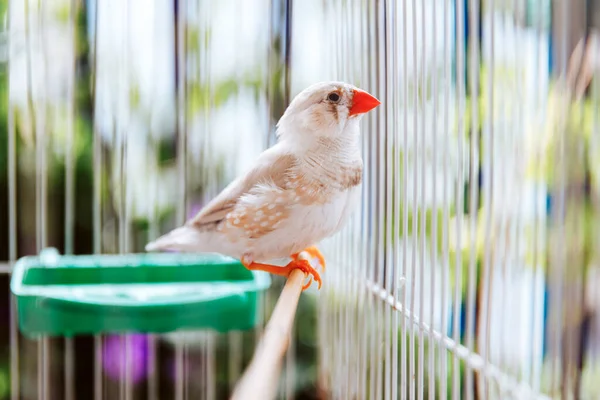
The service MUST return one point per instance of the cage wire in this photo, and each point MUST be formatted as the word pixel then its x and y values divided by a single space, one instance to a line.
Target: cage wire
pixel 467 273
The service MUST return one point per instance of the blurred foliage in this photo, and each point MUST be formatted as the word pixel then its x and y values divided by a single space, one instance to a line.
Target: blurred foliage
pixel 3 122
pixel 201 97
pixel 4 382
pixel 563 118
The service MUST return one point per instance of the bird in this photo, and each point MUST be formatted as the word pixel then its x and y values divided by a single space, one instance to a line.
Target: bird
pixel 297 193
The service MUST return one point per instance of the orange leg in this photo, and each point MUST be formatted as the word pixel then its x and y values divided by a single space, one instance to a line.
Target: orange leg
pixel 302 265
pixel 313 252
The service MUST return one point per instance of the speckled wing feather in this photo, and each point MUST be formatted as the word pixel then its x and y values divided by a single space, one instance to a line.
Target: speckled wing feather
pixel 271 166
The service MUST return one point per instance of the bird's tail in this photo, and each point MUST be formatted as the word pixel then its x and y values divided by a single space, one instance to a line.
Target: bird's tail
pixel 185 238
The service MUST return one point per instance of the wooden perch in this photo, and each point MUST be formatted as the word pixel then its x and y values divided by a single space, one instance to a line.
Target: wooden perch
pixel 262 375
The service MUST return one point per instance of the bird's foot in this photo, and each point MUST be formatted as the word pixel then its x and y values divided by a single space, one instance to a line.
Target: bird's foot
pixel 300 264
pixel 308 269
pixel 313 252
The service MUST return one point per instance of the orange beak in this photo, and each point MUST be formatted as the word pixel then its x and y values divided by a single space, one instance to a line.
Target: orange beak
pixel 362 102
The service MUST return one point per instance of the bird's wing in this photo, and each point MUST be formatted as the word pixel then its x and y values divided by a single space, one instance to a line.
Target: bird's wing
pixel 271 166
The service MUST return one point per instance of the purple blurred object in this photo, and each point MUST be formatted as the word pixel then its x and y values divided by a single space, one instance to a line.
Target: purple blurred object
pixel 194 209
pixel 113 357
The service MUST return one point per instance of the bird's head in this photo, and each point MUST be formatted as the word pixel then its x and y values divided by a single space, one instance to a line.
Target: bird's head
pixel 325 109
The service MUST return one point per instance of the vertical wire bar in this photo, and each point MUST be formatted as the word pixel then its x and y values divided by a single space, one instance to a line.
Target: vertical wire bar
pixel 352 258
pixel 508 128
pixel 355 228
pixel 558 256
pixel 69 154
pixel 203 368
pixel 443 393
pixel 327 324
pixel 595 104
pixel 396 184
pixel 379 246
pixel 338 326
pixel 70 192
pixel 290 375
pixel 503 256
pixel 337 391
pixel 352 253
pixel 152 339
pixel 537 236
pixel 509 220
pixel 369 204
pixel 362 352
pixel 537 29
pixel 127 193
pixel 336 329
pixel 387 221
pixel 340 391
pixel 213 186
pixel 518 226
pixel 488 200
pixel 128 367
pixel 434 207
pixel 579 200
pixel 473 186
pixel 421 204
pixel 211 377
pixel 265 300
pixel 181 115
pixel 346 235
pixel 207 173
pixel 153 233
pixel 364 339
pixel 12 216
pixel 342 248
pixel 379 260
pixel 362 249
pixel 182 162
pixel 97 202
pixel 123 120
pixel 235 338
pixel 374 332
pixel 414 236
pixel 15 388
pixel 404 371
pixel 358 287
pixel 152 364
pixel 458 265
pixel 41 189
pixel 234 362
pixel 514 223
pixel 322 328
pixel 368 380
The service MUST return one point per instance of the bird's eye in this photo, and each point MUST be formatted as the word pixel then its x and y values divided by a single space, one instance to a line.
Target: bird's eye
pixel 333 96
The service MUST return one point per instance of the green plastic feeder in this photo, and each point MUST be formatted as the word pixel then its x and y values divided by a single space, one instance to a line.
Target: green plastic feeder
pixel 68 295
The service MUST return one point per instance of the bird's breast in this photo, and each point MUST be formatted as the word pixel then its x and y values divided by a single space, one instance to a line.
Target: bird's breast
pixel 318 182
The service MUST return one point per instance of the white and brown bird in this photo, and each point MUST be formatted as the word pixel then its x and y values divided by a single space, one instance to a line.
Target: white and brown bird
pixel 298 192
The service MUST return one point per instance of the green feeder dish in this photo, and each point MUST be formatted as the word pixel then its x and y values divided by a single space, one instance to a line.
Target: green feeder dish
pixel 69 295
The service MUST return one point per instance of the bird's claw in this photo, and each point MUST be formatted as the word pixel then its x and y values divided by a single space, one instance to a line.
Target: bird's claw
pixel 305 267
pixel 310 281
pixel 313 252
